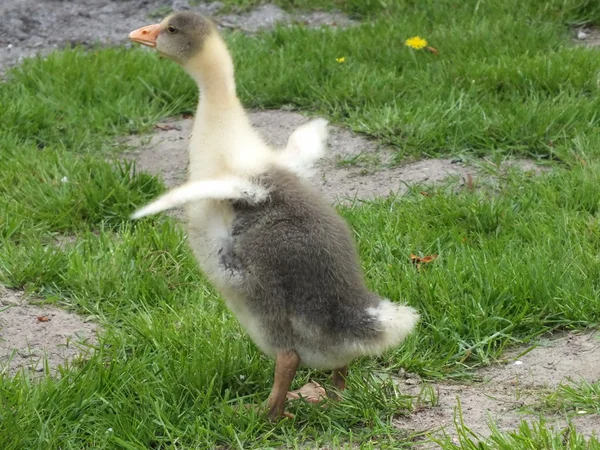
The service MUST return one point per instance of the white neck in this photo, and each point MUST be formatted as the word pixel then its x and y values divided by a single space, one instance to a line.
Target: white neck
pixel 223 141
pixel 212 69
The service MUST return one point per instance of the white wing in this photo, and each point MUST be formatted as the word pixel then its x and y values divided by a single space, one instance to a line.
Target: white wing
pixel 230 188
pixel 305 146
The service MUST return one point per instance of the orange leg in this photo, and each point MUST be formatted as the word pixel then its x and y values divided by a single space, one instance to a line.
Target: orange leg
pixel 339 378
pixel 286 365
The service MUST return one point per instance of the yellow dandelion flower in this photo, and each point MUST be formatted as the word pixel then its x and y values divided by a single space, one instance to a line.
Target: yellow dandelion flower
pixel 416 42
pixel 341 60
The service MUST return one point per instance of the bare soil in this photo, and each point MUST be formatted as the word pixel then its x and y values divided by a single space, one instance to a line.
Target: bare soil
pixel 354 168
pixel 267 16
pixel 32 334
pixel 29 27
pixel 511 390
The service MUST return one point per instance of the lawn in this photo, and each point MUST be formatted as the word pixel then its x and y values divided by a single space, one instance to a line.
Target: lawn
pixel 518 256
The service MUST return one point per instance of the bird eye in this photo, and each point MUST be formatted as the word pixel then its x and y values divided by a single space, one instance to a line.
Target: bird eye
pixel 171 29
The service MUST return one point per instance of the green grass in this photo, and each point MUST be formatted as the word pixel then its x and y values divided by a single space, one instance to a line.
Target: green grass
pixel 507 80
pixel 529 436
pixel 518 257
pixel 573 12
pixel 533 434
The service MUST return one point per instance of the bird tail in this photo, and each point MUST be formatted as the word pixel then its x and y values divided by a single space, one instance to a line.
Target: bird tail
pixel 393 323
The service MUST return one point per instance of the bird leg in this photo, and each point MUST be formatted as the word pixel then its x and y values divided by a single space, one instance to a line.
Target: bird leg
pixel 339 380
pixel 286 364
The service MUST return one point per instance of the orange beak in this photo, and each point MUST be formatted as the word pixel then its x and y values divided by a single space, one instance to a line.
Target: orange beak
pixel 146 35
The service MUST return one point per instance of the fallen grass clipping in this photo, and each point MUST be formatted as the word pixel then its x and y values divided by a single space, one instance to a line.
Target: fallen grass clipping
pixel 574 398
pixel 517 256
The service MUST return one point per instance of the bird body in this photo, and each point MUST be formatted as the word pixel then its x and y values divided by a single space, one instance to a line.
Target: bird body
pixel 279 254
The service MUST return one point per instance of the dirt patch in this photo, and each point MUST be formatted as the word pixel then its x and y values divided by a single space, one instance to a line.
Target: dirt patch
pixel 29 334
pixel 164 152
pixel 267 16
pixel 29 27
pixel 354 168
pixel 508 390
pixel 588 36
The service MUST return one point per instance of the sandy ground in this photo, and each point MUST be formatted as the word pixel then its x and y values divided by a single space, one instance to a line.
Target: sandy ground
pixel 31 334
pixel 340 176
pixel 509 391
pixel 29 27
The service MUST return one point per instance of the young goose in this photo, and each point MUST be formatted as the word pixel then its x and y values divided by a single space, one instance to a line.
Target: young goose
pixel 282 258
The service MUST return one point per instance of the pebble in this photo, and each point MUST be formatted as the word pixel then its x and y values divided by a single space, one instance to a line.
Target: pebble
pixel 581 35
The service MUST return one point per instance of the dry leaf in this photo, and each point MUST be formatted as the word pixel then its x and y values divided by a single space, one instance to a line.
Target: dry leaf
pixel 433 50
pixel 43 319
pixel 425 194
pixel 418 260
